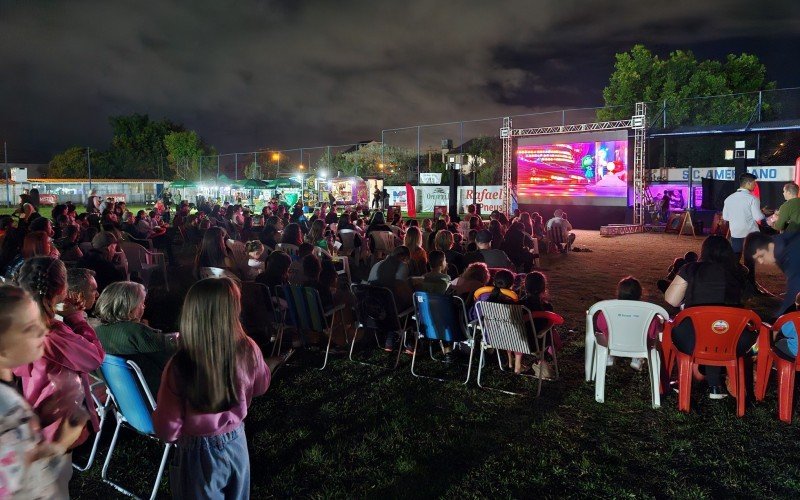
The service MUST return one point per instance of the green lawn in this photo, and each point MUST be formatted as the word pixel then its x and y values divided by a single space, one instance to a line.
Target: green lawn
pixel 46 211
pixel 359 431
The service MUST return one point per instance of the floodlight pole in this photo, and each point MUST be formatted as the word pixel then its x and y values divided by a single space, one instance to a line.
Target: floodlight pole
pixel 89 168
pixel 5 160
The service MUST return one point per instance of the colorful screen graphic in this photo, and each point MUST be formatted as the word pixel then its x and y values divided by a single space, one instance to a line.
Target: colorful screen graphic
pixel 597 169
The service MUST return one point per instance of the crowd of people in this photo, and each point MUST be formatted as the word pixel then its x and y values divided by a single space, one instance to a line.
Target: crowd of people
pixel 69 299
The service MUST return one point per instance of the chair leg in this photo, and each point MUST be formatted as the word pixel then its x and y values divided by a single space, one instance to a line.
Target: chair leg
pixel 786 375
pixel 400 349
pixel 600 357
pixel 353 344
pixel 161 468
pixel 741 387
pixel 414 356
pixel 685 383
pixel 471 355
pixel 654 368
pixel 327 349
pixel 480 366
pixel 763 371
pixel 555 356
pixel 102 411
pixel 589 357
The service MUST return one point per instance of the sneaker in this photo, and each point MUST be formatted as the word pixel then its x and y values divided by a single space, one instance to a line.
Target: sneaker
pixel 610 361
pixel 717 392
pixel 636 364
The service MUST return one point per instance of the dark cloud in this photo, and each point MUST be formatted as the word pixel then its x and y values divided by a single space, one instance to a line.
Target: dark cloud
pixel 252 74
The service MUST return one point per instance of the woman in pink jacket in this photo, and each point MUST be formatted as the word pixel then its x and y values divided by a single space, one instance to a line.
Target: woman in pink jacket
pixel 57 384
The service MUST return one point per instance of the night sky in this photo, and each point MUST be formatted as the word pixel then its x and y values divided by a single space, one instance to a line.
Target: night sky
pixel 282 74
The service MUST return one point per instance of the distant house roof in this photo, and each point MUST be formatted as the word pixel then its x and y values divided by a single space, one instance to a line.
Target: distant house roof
pixel 467 145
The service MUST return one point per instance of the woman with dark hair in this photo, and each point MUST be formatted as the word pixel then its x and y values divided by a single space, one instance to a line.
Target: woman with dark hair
pixel 519 246
pixel 498 233
pixel 378 223
pixel 526 221
pixel 70 251
pixel 35 244
pixel 213 251
pixel 538 231
pixel 716 279
pixel 276 272
pixel 292 235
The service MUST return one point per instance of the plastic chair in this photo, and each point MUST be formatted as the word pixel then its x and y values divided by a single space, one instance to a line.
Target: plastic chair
pixel 144 262
pixel 134 407
pixel 376 310
pixel 767 357
pixel 383 244
pixel 717 330
pixel 628 324
pixel 503 327
pixel 305 313
pixel 442 318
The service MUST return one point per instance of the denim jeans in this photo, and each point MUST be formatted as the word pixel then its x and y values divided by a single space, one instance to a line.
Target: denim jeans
pixel 214 467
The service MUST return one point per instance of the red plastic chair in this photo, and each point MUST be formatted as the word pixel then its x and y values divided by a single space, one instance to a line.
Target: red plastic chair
pixel 717 331
pixel 786 369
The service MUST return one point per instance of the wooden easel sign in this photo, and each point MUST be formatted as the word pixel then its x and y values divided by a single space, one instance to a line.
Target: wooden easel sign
pixel 680 223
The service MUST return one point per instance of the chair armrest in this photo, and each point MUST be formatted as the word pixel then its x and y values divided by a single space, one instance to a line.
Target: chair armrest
pixel 334 309
pixel 405 312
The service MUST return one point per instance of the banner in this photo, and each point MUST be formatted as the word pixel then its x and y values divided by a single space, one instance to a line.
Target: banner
pixel 397 196
pixel 490 198
pixel 429 197
pixel 48 199
pixel 783 173
pixel 430 178
pixel 411 207
pixel 432 196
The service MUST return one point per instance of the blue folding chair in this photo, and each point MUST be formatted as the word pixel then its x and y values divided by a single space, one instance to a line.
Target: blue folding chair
pixel 134 408
pixel 376 310
pixel 305 313
pixel 442 318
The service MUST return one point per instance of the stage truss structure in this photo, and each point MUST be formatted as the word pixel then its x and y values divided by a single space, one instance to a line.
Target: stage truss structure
pixel 638 123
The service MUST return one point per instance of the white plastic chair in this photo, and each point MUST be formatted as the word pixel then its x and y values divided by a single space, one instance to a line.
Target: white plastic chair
pixel 144 262
pixel 384 244
pixel 628 323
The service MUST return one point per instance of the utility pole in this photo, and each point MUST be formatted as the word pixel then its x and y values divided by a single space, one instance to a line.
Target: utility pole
pixel 89 167
pixel 5 160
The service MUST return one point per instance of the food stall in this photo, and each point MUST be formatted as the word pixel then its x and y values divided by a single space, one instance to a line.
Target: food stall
pixel 349 190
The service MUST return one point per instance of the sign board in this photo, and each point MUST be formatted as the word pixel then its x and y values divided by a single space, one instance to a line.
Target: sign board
pixel 48 199
pixel 397 196
pixel 116 197
pixel 680 223
pixel 783 173
pixel 430 178
pixel 428 197
pixel 439 210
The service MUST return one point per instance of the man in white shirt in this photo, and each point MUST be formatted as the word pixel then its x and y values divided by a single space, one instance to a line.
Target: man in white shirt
pixel 742 210
pixel 561 231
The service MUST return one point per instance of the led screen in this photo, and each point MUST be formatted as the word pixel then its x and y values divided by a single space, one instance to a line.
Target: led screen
pixel 587 172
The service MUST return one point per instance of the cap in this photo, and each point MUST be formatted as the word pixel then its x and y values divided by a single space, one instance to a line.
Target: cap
pixel 103 239
pixel 483 236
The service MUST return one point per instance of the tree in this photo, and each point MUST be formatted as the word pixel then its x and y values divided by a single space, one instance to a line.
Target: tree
pixel 137 147
pixel 70 164
pixel 678 81
pixel 253 171
pixel 184 150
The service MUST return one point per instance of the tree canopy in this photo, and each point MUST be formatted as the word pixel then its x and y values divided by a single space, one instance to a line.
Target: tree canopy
pixel 639 75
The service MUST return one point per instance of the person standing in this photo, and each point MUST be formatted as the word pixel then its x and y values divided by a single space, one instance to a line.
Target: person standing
pixel 743 213
pixel 789 213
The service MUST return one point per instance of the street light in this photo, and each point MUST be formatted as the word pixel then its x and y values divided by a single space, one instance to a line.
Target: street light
pixel 276 157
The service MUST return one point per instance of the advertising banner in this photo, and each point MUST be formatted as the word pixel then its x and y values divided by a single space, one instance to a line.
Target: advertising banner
pixel 429 197
pixel 397 196
pixel 783 173
pixel 430 178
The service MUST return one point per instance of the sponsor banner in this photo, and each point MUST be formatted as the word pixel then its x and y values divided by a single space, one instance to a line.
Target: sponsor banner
pixel 117 197
pixel 430 178
pixel 48 199
pixel 783 173
pixel 429 197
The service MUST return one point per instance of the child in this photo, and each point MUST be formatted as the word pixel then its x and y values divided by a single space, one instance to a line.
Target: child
pixel 536 298
pixel 673 269
pixel 56 384
pixel 500 291
pixel 628 288
pixel 437 280
pixel 205 393
pixel 29 466
pixel 255 266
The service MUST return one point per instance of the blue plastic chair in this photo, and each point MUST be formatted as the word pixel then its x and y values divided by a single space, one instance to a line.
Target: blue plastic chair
pixel 305 313
pixel 376 310
pixel 442 318
pixel 134 408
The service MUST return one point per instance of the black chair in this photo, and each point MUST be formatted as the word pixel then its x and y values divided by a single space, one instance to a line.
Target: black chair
pixel 376 310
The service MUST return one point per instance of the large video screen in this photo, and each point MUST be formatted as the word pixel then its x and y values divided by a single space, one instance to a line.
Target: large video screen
pixel 586 171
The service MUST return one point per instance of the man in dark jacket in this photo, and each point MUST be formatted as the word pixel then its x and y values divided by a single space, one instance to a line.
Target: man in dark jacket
pixel 782 250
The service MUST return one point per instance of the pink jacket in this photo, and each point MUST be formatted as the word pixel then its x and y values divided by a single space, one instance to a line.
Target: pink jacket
pixel 71 351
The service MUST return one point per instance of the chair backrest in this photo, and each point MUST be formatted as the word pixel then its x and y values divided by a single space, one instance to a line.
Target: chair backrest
pixel 503 326
pixel 717 329
pixel 215 272
pixel 257 308
pixel 441 317
pixel 135 253
pixel 133 399
pixel 240 257
pixel 304 307
pixel 383 240
pixel 289 249
pixel 628 322
pixel 790 320
pixel 376 307
pixel 348 238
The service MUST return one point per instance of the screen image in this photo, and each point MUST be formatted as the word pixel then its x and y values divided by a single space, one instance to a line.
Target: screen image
pixel 678 195
pixel 596 171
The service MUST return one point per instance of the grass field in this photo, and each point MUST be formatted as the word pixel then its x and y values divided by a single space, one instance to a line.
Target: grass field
pixel 46 211
pixel 359 431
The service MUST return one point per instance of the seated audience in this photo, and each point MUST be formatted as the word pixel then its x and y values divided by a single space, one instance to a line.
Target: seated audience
pixel 124 333
pixel 673 269
pixel 485 253
pixel 255 266
pixel 436 280
pixel 475 276
pixel 276 272
pixel 418 262
pixel 102 259
pixel 559 226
